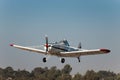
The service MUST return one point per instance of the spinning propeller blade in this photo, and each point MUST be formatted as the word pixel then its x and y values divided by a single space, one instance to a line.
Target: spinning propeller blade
pixel 46 45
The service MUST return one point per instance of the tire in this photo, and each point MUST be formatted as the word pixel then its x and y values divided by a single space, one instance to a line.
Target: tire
pixel 44 59
pixel 62 60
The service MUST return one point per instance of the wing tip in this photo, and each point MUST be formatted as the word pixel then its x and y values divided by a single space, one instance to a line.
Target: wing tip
pixel 105 50
pixel 11 44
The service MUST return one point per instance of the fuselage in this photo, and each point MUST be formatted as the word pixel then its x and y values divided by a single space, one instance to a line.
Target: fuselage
pixel 62 46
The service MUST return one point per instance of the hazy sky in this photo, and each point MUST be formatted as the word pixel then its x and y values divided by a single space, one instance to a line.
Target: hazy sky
pixel 95 23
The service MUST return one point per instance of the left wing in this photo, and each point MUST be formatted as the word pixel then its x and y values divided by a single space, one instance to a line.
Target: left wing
pixel 83 52
pixel 29 49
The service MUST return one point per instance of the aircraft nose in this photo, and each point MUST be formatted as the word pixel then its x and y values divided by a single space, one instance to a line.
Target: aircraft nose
pixel 105 50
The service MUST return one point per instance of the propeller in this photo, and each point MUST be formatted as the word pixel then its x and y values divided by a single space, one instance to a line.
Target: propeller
pixel 46 45
pixel 79 45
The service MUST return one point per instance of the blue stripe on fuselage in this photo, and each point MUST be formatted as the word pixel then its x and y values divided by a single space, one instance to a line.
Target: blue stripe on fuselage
pixel 59 48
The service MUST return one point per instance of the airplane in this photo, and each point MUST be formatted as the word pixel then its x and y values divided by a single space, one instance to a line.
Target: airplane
pixel 62 49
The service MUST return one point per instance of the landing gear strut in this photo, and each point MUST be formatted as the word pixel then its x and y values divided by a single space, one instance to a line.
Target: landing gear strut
pixel 78 59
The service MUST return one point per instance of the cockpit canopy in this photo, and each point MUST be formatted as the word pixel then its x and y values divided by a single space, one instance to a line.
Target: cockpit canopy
pixel 64 42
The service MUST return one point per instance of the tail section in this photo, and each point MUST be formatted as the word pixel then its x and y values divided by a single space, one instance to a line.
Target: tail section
pixel 79 45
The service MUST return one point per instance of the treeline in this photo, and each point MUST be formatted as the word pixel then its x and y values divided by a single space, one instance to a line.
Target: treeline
pixel 55 74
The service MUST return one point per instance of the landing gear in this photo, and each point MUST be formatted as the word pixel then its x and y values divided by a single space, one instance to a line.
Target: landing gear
pixel 78 59
pixel 62 60
pixel 44 59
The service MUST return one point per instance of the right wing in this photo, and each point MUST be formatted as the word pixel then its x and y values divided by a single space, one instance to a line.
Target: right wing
pixel 84 52
pixel 29 49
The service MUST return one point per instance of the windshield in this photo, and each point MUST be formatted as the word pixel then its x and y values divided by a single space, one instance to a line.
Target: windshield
pixel 64 42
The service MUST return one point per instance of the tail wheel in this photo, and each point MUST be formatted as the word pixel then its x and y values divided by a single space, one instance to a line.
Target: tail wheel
pixel 44 59
pixel 62 60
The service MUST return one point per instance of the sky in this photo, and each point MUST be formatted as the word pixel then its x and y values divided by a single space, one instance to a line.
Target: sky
pixel 94 23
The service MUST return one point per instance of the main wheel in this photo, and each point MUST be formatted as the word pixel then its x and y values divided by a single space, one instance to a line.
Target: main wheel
pixel 44 59
pixel 62 60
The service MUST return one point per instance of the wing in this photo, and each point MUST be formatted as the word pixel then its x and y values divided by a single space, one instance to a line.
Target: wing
pixel 29 49
pixel 84 52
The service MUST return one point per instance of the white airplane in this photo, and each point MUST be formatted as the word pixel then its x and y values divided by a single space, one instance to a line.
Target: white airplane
pixel 62 49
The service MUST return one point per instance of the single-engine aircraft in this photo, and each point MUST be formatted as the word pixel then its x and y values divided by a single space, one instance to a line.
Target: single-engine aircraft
pixel 62 49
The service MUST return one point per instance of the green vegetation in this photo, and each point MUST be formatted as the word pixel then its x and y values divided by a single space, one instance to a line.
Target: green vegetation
pixel 55 74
